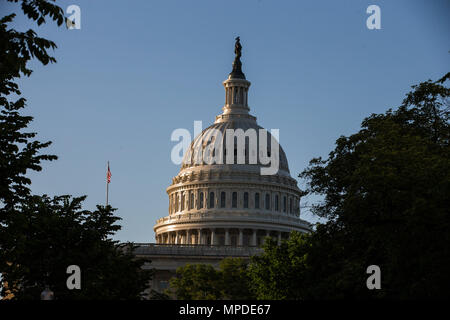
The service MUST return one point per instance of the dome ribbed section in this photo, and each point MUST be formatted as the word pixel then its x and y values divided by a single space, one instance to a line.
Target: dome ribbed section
pixel 210 134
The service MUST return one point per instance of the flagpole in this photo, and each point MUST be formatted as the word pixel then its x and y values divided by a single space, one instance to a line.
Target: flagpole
pixel 107 185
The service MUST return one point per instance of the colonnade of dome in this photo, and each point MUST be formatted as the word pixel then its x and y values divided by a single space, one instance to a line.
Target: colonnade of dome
pixel 220 236
pixel 195 199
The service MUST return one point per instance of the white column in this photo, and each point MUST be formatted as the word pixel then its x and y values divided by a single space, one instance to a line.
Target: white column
pixel 176 237
pixel 216 199
pixel 246 97
pixel 241 237
pixel 227 237
pixel 188 236
pixel 254 237
pixel 241 95
pixel 213 237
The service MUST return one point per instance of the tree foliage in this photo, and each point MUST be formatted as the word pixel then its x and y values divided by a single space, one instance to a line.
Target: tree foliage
pixel 203 282
pixel 52 234
pixel 19 152
pixel 39 236
pixel 385 192
pixel 276 273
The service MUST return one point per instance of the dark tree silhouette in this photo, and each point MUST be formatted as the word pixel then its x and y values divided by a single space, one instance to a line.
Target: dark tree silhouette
pixel 385 192
pixel 40 237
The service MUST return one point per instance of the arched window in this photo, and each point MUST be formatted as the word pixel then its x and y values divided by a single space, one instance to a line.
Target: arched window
pixel 191 204
pixel 176 202
pixel 284 204
pixel 246 200
pixel 223 198
pixel 257 200
pixel 276 203
pixel 211 199
pixel 200 205
pixel 182 201
pixel 234 200
pixel 267 201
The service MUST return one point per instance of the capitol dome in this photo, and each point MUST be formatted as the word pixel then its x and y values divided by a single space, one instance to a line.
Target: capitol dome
pixel 210 134
pixel 234 187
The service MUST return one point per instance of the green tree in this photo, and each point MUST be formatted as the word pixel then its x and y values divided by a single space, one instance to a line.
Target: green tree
pixel 203 282
pixel 196 282
pixel 235 279
pixel 19 152
pixel 52 234
pixel 40 237
pixel 385 194
pixel 276 273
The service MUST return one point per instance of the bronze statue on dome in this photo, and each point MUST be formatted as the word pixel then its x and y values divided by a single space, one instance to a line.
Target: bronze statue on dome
pixel 237 64
pixel 238 48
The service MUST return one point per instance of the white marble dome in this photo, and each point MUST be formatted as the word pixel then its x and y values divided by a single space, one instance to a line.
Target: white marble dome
pixel 230 204
pixel 221 125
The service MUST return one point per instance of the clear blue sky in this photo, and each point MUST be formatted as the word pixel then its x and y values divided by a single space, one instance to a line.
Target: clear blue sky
pixel 137 70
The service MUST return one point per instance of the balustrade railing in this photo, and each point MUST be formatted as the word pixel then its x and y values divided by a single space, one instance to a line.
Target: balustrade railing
pixel 195 250
pixel 266 217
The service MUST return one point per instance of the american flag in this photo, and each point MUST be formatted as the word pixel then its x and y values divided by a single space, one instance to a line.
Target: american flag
pixel 108 175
